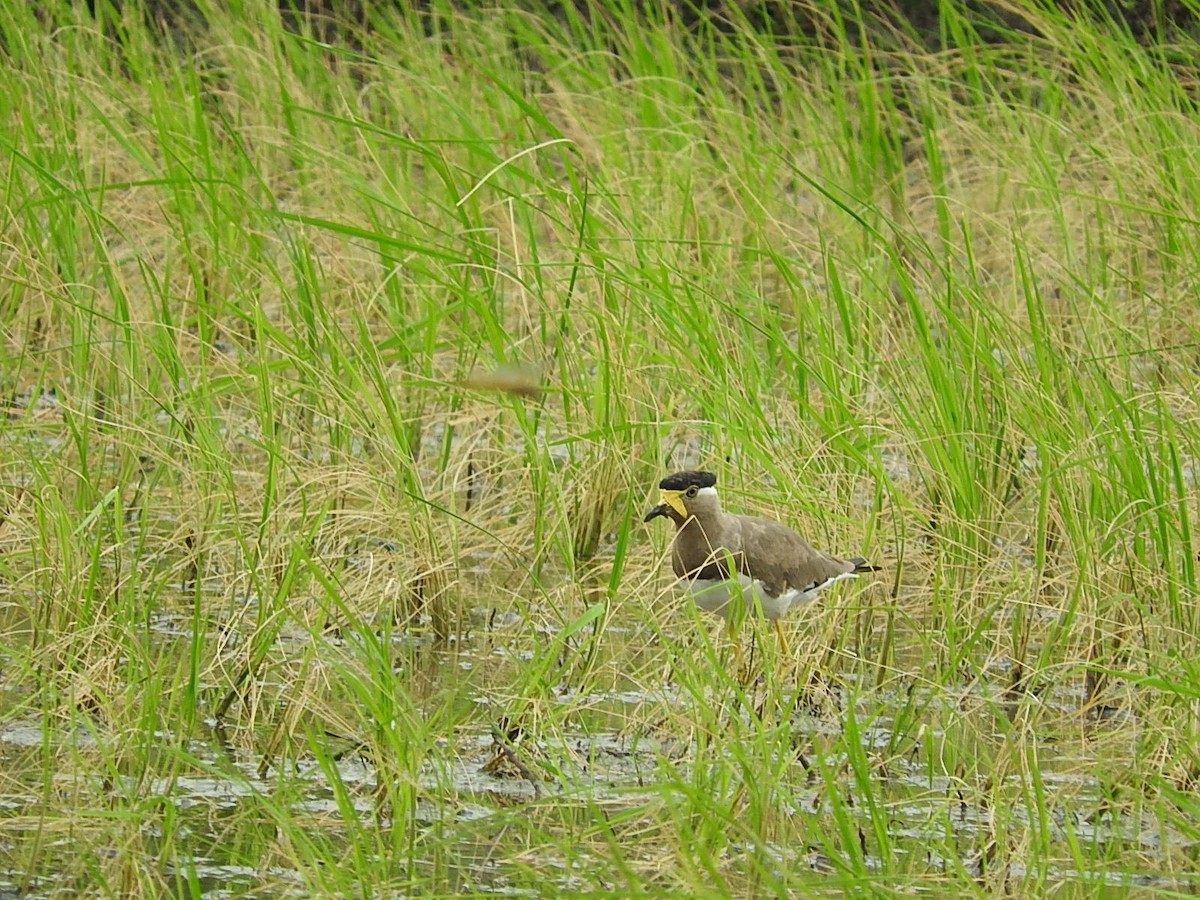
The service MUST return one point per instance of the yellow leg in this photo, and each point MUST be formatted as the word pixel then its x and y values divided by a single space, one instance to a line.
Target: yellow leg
pixel 784 650
pixel 783 659
pixel 737 651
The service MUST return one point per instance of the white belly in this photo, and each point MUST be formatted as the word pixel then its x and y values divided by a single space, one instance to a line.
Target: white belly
pixel 715 596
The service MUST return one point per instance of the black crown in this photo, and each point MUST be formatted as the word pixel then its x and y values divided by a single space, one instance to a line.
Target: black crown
pixel 681 481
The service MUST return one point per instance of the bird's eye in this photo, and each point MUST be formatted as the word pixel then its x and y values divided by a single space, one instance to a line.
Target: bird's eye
pixel 692 491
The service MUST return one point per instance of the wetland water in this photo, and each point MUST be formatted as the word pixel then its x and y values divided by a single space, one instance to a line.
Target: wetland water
pixel 621 751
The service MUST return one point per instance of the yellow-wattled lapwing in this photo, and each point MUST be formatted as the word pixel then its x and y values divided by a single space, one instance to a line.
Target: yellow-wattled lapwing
pixel 776 569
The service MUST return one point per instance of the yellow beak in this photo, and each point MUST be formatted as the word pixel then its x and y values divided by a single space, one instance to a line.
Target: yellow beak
pixel 671 498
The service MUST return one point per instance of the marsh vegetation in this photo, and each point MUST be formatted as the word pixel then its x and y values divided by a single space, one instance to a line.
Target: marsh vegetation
pixel 338 373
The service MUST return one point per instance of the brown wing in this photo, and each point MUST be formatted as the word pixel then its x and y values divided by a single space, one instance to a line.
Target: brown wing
pixel 781 559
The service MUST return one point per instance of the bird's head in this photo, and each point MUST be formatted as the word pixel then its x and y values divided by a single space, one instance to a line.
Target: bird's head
pixel 686 494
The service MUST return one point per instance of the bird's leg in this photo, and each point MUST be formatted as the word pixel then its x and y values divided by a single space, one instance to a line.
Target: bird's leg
pixel 783 641
pixel 784 654
pixel 737 650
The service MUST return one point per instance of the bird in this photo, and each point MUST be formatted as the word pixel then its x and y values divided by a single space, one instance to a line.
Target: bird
pixel 774 568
